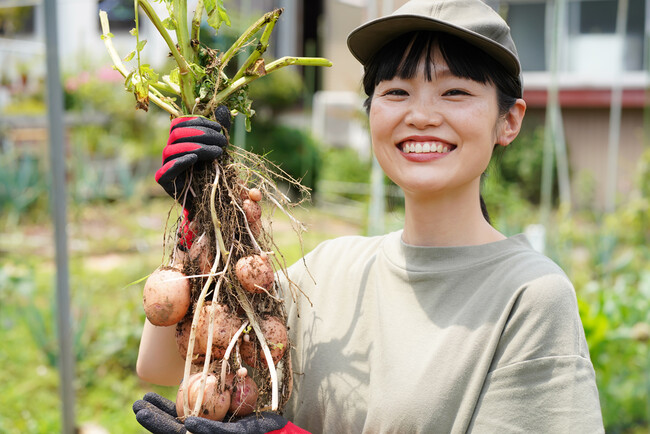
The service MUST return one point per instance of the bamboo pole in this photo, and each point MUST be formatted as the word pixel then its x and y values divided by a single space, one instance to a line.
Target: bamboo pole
pixel 615 112
pixel 552 133
pixel 377 207
pixel 58 207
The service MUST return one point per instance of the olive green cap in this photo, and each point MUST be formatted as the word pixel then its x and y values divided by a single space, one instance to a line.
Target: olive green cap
pixel 471 20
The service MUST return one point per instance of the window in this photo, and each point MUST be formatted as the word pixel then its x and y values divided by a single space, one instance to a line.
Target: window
pixel 16 21
pixel 120 13
pixel 592 30
pixel 527 26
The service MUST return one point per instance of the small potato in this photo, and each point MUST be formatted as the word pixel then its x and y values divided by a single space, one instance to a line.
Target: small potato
pixel 255 273
pixel 166 297
pixel 225 326
pixel 275 333
pixel 255 194
pixel 215 403
pixel 256 228
pixel 244 396
pixel 253 210
pixel 200 253
pixel 183 329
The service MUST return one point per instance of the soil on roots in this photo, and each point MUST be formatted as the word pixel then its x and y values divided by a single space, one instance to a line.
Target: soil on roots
pixel 220 190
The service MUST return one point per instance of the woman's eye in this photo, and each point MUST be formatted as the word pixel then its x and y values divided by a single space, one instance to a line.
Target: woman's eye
pixel 395 92
pixel 455 92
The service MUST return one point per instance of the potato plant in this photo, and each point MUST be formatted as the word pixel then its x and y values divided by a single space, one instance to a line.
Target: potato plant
pixel 231 323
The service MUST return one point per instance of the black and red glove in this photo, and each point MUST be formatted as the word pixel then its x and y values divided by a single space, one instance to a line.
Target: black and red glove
pixel 192 140
pixel 158 415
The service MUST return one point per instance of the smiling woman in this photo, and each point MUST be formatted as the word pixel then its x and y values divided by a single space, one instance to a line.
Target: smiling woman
pixel 437 107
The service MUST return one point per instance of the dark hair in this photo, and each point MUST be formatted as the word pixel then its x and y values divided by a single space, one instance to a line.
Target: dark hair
pixel 402 56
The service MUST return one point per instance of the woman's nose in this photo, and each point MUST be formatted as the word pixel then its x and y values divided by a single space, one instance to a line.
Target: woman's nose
pixel 424 113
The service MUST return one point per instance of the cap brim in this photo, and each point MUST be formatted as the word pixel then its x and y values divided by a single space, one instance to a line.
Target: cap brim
pixel 367 39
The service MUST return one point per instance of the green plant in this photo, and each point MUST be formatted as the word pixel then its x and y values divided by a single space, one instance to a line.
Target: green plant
pixel 606 258
pixel 278 92
pixel 293 150
pixel 22 185
pixel 200 83
pixel 520 163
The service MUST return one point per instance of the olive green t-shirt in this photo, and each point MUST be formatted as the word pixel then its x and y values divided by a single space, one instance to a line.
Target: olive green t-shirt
pixel 405 339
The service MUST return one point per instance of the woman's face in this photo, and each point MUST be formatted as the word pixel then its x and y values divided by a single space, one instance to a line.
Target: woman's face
pixel 437 136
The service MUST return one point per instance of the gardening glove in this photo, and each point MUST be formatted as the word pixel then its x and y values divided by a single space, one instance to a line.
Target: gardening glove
pixel 185 233
pixel 192 140
pixel 265 422
pixel 157 414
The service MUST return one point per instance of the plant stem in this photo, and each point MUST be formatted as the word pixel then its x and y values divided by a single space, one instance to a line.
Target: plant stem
pixel 250 313
pixel 174 87
pixel 260 49
pixel 119 66
pixel 187 77
pixel 226 356
pixel 254 28
pixel 196 25
pixel 182 32
pixel 276 64
pixel 166 86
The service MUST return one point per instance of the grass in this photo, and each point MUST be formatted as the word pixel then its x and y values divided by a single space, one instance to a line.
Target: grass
pixel 111 246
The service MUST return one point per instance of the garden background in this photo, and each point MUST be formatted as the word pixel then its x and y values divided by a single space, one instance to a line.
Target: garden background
pixel 117 215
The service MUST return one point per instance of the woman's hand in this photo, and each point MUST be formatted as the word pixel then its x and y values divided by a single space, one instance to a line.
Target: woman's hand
pixel 192 140
pixel 158 415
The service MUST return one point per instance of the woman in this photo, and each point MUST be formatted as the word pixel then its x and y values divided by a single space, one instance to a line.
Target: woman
pixel 446 325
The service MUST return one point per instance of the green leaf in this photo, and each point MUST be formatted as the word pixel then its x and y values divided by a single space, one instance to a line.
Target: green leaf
pixel 142 89
pixel 141 44
pixel 128 81
pixel 197 70
pixel 223 13
pixel 217 13
pixel 129 56
pixel 169 23
pixel 175 76
pixel 133 32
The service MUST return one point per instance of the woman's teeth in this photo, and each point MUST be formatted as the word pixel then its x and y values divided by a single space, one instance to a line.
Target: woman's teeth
pixel 424 147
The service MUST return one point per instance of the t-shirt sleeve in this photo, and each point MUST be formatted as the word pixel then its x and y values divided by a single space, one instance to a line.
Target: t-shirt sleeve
pixel 548 395
pixel 541 379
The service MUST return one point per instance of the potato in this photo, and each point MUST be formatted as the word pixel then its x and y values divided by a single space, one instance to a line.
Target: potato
pixel 277 339
pixel 182 340
pixel 252 210
pixel 244 396
pixel 215 403
pixel 166 297
pixel 256 228
pixel 200 253
pixel 255 194
pixel 225 326
pixel 255 273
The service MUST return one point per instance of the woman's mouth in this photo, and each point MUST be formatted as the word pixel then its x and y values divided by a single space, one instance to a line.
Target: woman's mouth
pixel 412 147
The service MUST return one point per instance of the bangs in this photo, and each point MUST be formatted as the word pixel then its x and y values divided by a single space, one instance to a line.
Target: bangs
pixel 401 58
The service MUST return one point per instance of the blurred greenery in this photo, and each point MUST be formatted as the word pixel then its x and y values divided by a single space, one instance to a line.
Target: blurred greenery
pixel 295 151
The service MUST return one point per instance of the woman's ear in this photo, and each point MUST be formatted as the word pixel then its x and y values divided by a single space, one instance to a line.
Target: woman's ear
pixel 511 123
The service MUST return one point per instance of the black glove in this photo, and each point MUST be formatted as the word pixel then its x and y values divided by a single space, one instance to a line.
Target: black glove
pixel 261 423
pixel 158 415
pixel 192 139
